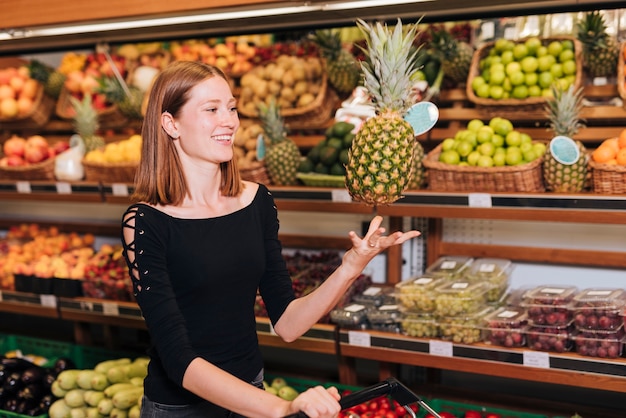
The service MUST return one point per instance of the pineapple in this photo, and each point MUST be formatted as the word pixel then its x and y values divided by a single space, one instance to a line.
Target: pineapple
pixel 563 112
pixel 418 174
pixel 600 50
pixel 342 67
pixel 282 157
pixel 51 80
pixel 129 103
pixel 380 159
pixel 85 122
pixel 455 56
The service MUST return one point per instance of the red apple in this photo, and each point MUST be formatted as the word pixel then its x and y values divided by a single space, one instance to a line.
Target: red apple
pixel 15 161
pixel 73 81
pixel 60 146
pixel 36 149
pixel 14 146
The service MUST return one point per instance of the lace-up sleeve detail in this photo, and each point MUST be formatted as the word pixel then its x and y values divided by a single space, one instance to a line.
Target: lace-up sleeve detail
pixel 129 231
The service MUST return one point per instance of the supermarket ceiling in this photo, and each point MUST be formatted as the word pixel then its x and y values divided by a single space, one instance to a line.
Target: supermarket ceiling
pixel 274 17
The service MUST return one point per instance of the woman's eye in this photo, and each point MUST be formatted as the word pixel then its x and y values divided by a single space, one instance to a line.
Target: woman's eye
pixel 233 109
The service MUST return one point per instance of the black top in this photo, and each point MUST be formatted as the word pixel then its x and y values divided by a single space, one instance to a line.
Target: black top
pixel 197 289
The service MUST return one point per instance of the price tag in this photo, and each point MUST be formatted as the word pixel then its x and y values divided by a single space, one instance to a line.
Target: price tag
pixel 488 30
pixel 49 301
pixel 86 306
pixel 536 359
pixel 64 187
pixel 600 81
pixel 362 339
pixel 340 195
pixel 23 187
pixel 510 33
pixel 1 296
pixel 119 189
pixel 440 348
pixel 110 309
pixel 479 200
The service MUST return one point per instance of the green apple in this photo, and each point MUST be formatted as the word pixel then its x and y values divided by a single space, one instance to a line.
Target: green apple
pixel 513 156
pixel 487 148
pixel 485 161
pixel 540 148
pixel 499 159
pixel 464 148
pixel 450 157
pixel 513 139
pixel 475 124
pixel 472 158
pixel 448 144
pixel 484 134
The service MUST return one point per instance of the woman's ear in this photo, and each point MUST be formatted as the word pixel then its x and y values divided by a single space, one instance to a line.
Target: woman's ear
pixel 169 124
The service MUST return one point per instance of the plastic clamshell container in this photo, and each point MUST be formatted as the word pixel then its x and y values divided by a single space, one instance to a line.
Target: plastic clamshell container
pixel 351 316
pixel 416 294
pixel 449 267
pixel 603 344
pixel 420 325
pixel 496 272
pixel 552 338
pixel 549 305
pixel 463 329
pixel 385 318
pixel 599 308
pixel 460 297
pixel 506 327
pixel 371 296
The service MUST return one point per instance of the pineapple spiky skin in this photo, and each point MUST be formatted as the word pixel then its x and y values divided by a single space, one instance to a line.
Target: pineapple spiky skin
pixel 54 84
pixel 455 56
pixel 128 104
pixel 86 123
pixel 563 112
pixel 600 50
pixel 418 174
pixel 282 157
pixel 380 159
pixel 341 67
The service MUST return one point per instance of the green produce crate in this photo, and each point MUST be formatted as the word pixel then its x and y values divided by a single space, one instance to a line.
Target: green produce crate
pixel 458 409
pixel 49 349
pixel 7 414
pixel 86 357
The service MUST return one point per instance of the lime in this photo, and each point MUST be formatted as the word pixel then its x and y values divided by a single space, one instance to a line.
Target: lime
pixel 545 62
pixel 485 161
pixel 569 67
pixel 556 70
pixel 450 157
pixel 513 156
pixel 513 68
pixel 507 57
pixel 472 158
pixel 533 44
pixel 526 139
pixel 498 141
pixel 534 91
pixel 448 144
pixel 545 79
pixel 520 51
pixel 529 64
pixel 564 150
pixel 469 136
pixel 475 124
pixel 501 126
pixel 529 155
pixel 566 55
pixel 555 48
pixel 531 79
pixel 499 159
pixel 484 134
pixel 542 51
pixel 477 82
pixel 496 66
pixel 483 91
pixel 464 148
pixel 487 148
pixel 513 139
pixel 517 78
pixel 496 92
pixel 520 92
pixel 501 45
pixel 567 44
pixel 496 78
pixel 540 148
pixel 563 83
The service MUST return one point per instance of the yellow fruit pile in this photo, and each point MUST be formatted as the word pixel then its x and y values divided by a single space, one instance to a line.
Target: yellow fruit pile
pixel 124 151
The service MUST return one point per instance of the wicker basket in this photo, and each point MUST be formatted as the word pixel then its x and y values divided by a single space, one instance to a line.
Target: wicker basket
pixel 621 76
pixel 110 117
pixel 510 108
pixel 608 178
pixel 39 171
pixel 256 172
pixel 447 177
pixel 109 173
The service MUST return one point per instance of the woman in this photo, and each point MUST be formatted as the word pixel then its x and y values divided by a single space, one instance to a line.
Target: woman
pixel 199 242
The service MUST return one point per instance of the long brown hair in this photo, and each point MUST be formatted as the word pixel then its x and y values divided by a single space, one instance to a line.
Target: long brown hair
pixel 160 178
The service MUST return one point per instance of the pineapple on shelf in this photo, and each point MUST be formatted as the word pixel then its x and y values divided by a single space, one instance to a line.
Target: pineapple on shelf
pixel 51 79
pixel 282 156
pixel 85 122
pixel 600 49
pixel 563 112
pixel 129 103
pixel 341 66
pixel 380 159
pixel 455 55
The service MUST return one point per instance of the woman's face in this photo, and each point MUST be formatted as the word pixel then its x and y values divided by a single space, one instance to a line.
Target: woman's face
pixel 207 123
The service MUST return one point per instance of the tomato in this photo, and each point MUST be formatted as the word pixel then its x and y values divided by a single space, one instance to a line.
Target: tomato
pixel 472 414
pixel 400 411
pixel 493 415
pixel 373 406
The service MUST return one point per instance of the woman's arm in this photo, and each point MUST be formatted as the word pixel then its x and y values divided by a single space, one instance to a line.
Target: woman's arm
pixel 304 312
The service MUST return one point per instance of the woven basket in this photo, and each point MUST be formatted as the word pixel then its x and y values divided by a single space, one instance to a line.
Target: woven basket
pixel 108 173
pixel 447 177
pixel 621 77
pixel 110 117
pixel 39 171
pixel 256 172
pixel 608 178
pixel 509 108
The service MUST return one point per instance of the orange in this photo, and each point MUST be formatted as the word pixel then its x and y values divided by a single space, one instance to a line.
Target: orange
pixel 621 139
pixel 611 143
pixel 603 154
pixel 621 157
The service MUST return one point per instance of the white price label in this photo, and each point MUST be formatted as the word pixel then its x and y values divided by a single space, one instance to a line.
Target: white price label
pixel 536 359
pixel 479 200
pixel 23 187
pixel 600 81
pixel 0 295
pixel 340 195
pixel 64 187
pixel 362 339
pixel 49 301
pixel 488 30
pixel 110 309
pixel 119 189
pixel 440 348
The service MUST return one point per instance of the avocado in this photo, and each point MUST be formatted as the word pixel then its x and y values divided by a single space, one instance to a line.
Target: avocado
pixel 341 128
pixel 343 156
pixel 335 143
pixel 328 155
pixel 347 139
pixel 306 165
pixel 321 168
pixel 337 169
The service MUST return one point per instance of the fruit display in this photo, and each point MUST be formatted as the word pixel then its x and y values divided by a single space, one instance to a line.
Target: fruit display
pixel 384 318
pixel 600 50
pixel 600 343
pixel 611 151
pixel 106 275
pixel 282 155
pixel 245 144
pixel 234 58
pixel 416 294
pixel 493 144
pixel 549 338
pixel 460 297
pixel 281 388
pixel 449 267
pixel 419 325
pixel 463 329
pixel 294 82
pixel 599 309
pixel 342 68
pixel 330 155
pixel 352 316
pixel 375 296
pixel 380 159
pixel 111 388
pixel 524 69
pixel 496 272
pixel 127 151
pixel 21 151
pixel 18 92
pixel 549 305
pixel 454 54
pixel 565 163
pixel 506 327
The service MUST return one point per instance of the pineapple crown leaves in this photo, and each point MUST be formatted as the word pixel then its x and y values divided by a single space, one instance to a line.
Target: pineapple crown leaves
pixel 40 71
pixel 85 120
pixel 591 30
pixel 443 42
pixel 563 110
pixel 390 62
pixel 273 122
pixel 328 42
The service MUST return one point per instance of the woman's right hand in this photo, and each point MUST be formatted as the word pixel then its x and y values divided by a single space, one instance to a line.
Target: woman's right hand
pixel 317 402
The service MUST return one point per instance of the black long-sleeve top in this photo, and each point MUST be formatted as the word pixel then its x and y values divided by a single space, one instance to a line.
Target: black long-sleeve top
pixel 197 286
